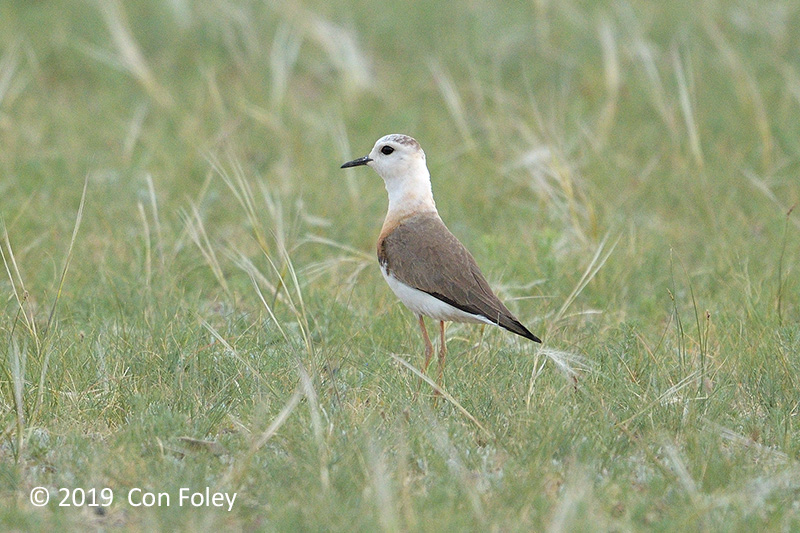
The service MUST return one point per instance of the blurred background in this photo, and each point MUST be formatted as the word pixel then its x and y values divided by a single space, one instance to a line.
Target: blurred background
pixel 557 121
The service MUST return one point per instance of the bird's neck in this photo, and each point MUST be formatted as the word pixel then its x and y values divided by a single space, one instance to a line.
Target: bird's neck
pixel 409 197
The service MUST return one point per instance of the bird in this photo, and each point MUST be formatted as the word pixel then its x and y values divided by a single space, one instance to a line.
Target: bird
pixel 424 264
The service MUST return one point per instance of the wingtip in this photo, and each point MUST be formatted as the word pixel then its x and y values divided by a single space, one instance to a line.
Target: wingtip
pixel 517 327
pixel 532 337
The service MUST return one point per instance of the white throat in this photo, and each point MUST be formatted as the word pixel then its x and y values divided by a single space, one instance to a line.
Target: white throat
pixel 410 192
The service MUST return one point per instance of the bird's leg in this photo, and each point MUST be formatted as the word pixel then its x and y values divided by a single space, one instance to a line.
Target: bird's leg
pixel 442 350
pixel 428 345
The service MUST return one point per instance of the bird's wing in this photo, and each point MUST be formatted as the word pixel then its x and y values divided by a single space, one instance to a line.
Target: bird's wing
pixel 422 253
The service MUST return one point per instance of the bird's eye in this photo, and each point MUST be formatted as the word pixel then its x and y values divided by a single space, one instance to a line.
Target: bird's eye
pixel 386 150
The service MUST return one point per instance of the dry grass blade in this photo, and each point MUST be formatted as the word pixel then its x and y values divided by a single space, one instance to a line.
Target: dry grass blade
pixel 282 58
pixel 78 219
pixel 553 179
pixel 210 446
pixel 688 112
pixel 8 69
pixel 382 485
pixel 197 232
pixel 446 395
pixel 667 397
pixel 598 260
pixel 357 261
pixel 355 252
pixel 300 310
pixel 45 352
pixel 296 307
pixel 764 188
pixel 769 454
pixel 343 51
pixel 20 294
pixel 779 290
pixel 253 371
pixel 453 100
pixel 240 187
pixel 316 423
pixel 611 71
pixel 18 361
pixel 574 493
pixel 246 265
pixel 680 471
pixel 40 339
pixel 130 55
pixel 151 190
pixel 535 373
pixel 746 87
pixel 262 439
pixel 148 267
pixel 444 446
pixel 134 134
pixel 644 52
pixel 338 43
pixel 339 138
pixel 234 475
pixel 268 307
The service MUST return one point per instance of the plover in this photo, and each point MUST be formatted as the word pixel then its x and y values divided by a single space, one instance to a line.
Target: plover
pixel 425 265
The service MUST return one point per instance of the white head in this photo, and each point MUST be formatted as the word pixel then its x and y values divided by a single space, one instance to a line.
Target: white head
pixel 400 161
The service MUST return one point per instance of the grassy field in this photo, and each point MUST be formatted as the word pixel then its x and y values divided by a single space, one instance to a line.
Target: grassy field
pixel 191 299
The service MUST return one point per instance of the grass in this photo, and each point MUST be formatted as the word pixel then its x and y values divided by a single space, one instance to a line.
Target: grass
pixel 190 297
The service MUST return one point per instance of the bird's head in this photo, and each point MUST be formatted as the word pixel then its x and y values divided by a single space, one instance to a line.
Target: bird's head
pixel 400 161
pixel 395 157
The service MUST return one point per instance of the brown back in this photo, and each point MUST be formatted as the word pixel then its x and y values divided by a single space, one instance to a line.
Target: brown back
pixel 422 253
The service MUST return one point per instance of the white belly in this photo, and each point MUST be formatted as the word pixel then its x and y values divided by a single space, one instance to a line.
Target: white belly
pixel 423 303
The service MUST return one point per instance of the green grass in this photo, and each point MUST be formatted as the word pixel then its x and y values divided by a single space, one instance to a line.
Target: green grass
pixel 623 172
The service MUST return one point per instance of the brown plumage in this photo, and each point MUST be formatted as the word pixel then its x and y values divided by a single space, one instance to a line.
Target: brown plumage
pixel 422 253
